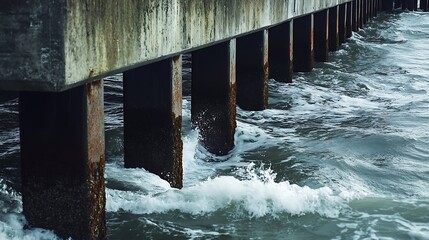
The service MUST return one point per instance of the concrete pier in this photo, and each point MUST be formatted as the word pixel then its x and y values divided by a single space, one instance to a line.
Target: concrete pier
pixel 153 119
pixel 349 20
pixel 388 5
pixel 214 96
pixel 342 27
pixel 62 161
pixel 355 16
pixel 397 4
pixel 364 12
pixel 334 34
pixel 280 53
pixel 303 47
pixel 424 5
pixel 54 53
pixel 321 36
pixel 252 71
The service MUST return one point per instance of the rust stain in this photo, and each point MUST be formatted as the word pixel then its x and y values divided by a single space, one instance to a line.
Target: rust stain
pixel 96 159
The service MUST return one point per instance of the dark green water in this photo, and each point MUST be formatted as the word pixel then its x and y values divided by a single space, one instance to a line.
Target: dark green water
pixel 342 153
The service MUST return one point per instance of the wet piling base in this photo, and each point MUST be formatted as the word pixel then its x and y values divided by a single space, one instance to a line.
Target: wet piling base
pixel 303 47
pixel 321 33
pixel 252 71
pixel 280 55
pixel 153 119
pixel 62 161
pixel 213 107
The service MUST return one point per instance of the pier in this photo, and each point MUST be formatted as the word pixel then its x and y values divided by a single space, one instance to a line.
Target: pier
pixel 56 53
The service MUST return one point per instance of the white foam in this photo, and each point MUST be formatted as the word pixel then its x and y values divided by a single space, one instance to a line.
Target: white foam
pixel 12 221
pixel 254 197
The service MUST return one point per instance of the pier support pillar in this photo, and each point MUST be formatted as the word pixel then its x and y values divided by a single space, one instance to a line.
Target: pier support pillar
pixel 280 51
pixel 153 119
pixel 355 16
pixel 342 27
pixel 62 161
pixel 388 5
pixel 397 4
pixel 370 9
pixel 364 11
pixel 409 4
pixel 303 51
pixel 252 71
pixel 349 20
pixel 321 34
pixel 214 96
pixel 424 5
pixel 334 36
pixel 361 13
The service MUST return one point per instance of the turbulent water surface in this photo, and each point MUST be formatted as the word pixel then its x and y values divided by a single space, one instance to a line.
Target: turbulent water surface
pixel 342 153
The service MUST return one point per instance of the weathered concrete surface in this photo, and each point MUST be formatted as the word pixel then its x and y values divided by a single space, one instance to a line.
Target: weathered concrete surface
pixel 52 45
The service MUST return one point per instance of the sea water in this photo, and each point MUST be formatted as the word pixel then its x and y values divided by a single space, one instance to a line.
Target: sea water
pixel 341 153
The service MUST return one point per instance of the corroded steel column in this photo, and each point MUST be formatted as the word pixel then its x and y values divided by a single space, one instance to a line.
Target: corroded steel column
pixel 321 33
pixel 280 53
pixel 334 36
pixel 342 27
pixel 252 71
pixel 153 119
pixel 303 51
pixel 62 161
pixel 349 20
pixel 214 96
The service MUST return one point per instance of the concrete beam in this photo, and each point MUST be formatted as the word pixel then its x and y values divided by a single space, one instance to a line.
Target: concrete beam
pixel 280 53
pixel 62 161
pixel 153 119
pixel 252 71
pixel 213 107
pixel 54 45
